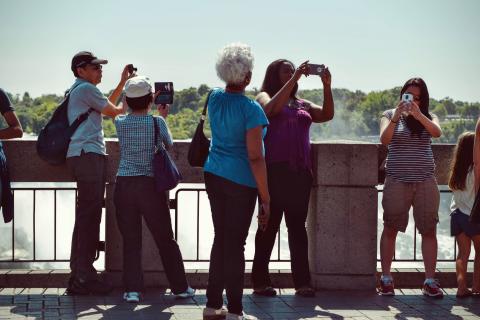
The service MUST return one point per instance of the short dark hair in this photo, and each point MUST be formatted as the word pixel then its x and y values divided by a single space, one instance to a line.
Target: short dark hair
pixel 413 124
pixel 139 103
pixel 75 72
pixel 271 82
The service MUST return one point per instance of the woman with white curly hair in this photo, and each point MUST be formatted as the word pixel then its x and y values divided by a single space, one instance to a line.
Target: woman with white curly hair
pixel 235 174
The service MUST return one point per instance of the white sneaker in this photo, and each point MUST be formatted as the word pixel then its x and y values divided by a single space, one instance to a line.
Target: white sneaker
pixel 189 293
pixel 132 297
pixel 233 316
pixel 214 314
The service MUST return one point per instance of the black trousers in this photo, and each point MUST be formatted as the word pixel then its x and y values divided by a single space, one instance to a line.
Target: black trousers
pixel 232 208
pixel 135 197
pixel 88 170
pixel 289 194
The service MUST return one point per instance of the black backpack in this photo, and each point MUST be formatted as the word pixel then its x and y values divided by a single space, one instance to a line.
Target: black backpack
pixel 54 138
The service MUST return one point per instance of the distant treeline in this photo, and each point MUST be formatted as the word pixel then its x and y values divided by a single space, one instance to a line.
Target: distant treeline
pixel 357 113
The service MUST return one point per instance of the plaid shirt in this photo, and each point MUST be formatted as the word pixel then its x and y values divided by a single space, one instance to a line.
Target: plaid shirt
pixel 136 135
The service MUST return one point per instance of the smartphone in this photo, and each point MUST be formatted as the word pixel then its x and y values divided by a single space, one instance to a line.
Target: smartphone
pixel 166 92
pixel 407 97
pixel 131 68
pixel 316 69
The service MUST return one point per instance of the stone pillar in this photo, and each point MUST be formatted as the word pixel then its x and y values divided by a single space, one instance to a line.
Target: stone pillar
pixel 342 223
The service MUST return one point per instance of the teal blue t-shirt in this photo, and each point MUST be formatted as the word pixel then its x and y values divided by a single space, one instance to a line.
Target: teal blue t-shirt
pixel 231 115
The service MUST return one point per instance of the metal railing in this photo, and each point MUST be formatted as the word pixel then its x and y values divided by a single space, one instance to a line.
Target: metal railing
pixel 175 207
pixel 34 226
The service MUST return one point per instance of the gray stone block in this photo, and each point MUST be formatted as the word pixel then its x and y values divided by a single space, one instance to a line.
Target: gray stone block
pixel 346 164
pixel 343 230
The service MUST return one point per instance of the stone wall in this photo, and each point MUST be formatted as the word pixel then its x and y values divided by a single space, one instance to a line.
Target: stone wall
pixel 342 221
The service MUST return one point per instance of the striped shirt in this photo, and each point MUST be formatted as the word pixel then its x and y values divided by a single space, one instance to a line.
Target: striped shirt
pixel 136 135
pixel 410 156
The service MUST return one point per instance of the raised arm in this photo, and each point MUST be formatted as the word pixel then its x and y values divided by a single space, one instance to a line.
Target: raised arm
pixel 273 105
pixel 326 112
pixel 432 126
pixel 111 109
pixel 387 126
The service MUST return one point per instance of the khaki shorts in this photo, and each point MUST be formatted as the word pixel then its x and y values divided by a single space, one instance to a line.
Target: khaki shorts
pixel 399 196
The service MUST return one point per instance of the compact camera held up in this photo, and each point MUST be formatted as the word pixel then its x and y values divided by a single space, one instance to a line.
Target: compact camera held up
pixel 316 69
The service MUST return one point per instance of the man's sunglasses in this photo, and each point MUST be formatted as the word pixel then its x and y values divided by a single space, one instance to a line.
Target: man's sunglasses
pixel 95 66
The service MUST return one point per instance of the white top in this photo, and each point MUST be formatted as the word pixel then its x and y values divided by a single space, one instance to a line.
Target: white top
pixel 463 199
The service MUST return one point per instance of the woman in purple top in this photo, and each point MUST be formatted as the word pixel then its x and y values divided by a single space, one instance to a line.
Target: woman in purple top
pixel 289 169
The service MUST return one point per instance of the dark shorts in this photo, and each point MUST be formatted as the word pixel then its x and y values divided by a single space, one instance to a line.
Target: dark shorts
pixel 459 222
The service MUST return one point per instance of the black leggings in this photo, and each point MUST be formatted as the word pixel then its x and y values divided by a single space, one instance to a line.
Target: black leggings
pixel 290 194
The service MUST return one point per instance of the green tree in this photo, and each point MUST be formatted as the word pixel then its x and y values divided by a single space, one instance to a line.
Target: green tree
pixel 440 111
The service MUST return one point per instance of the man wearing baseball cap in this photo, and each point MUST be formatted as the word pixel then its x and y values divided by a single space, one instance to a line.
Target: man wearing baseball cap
pixel 86 160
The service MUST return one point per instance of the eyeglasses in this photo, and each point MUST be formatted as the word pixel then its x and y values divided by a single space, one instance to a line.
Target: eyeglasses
pixel 95 66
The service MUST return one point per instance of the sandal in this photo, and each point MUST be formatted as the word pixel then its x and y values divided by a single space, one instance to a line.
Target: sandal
pixel 306 292
pixel 266 292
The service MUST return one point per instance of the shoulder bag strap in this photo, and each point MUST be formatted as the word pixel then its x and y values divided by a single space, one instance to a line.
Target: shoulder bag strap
pixel 156 130
pixel 204 112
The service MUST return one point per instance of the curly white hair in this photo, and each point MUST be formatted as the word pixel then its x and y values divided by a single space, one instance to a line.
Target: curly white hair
pixel 234 62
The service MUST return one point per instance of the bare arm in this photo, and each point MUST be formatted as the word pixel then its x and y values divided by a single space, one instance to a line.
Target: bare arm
pixel 259 170
pixel 273 105
pixel 111 109
pixel 476 156
pixel 432 126
pixel 14 129
pixel 326 112
pixel 387 126
pixel 257 161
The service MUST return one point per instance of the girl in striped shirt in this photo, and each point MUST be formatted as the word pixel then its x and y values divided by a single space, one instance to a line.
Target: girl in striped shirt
pixel 407 131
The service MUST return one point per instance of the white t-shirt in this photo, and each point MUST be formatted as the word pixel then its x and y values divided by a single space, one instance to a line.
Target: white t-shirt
pixel 464 199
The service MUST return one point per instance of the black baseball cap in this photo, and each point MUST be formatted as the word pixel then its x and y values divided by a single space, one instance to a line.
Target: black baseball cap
pixel 85 57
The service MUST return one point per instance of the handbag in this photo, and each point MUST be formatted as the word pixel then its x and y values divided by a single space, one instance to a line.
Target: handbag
pixel 200 145
pixel 165 171
pixel 475 213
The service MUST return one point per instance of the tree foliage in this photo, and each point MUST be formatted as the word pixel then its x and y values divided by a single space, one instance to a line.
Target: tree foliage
pixel 357 114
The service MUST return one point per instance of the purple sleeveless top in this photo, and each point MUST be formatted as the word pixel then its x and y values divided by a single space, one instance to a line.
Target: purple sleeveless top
pixel 288 137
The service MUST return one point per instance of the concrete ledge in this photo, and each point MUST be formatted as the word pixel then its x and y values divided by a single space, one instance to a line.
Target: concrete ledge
pixel 404 278
pixel 59 278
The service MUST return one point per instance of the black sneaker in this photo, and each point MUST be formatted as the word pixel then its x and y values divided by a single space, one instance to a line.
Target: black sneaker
pixel 79 286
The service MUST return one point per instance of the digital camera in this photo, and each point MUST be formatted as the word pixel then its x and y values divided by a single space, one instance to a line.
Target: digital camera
pixel 166 92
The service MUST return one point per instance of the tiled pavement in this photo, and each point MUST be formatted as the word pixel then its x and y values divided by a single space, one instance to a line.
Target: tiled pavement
pixel 35 303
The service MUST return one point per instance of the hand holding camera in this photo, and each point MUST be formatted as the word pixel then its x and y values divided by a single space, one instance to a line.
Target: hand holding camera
pixel 301 70
pixel 127 73
pixel 322 71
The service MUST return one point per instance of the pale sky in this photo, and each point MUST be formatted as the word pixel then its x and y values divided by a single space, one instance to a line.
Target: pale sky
pixel 368 45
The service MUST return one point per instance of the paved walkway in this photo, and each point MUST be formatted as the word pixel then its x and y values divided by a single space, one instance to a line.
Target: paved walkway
pixel 37 303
